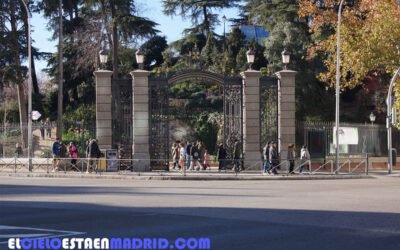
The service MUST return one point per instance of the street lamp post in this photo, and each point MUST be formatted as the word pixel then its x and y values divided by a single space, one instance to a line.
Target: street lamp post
pixel 140 58
pixel 390 119
pixel 224 20
pixel 372 118
pixel 285 58
pixel 250 57
pixel 103 55
pixel 337 87
pixel 29 87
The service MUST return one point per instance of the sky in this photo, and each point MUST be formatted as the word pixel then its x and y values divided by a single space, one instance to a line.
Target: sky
pixel 171 27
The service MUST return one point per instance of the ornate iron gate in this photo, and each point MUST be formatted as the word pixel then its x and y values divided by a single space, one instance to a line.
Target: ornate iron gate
pixel 159 116
pixel 233 113
pixel 159 122
pixel 160 111
pixel 122 117
pixel 268 109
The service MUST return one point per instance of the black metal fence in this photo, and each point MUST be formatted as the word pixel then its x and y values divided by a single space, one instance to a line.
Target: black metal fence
pixel 43 135
pixel 366 138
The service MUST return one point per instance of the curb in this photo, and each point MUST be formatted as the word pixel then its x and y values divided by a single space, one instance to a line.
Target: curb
pixel 190 178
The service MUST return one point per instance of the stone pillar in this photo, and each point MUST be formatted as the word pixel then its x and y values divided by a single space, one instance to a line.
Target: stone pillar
pixel 140 116
pixel 103 108
pixel 286 111
pixel 251 119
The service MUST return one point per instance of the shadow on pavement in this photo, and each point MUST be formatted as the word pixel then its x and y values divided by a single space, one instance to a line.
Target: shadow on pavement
pixel 227 227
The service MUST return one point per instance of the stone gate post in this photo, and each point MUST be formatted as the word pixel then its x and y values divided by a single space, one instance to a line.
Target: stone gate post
pixel 103 108
pixel 251 119
pixel 286 111
pixel 140 116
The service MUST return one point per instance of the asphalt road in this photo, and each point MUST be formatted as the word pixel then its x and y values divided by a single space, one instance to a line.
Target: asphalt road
pixel 295 214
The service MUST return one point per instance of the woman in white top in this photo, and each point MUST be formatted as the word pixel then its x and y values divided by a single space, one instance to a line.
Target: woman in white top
pixel 182 155
pixel 304 156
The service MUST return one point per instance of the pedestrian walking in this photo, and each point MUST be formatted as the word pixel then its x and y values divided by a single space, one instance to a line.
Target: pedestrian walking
pixel 304 157
pixel 48 128
pixel 175 155
pixel 73 152
pixel 266 157
pixel 194 153
pixel 55 149
pixel 188 157
pixel 94 154
pixel 291 156
pixel 18 151
pixel 202 151
pixel 221 156
pixel 182 155
pixel 273 158
pixel 206 160
pixel 42 129
pixel 237 155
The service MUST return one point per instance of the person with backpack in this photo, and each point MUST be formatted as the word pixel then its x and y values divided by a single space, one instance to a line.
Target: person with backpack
pixel 266 157
pixel 195 155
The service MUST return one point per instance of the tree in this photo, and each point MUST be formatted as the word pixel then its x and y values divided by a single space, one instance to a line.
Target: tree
pixel 153 49
pixel 121 16
pixel 198 11
pixel 288 30
pixel 12 53
pixel 369 39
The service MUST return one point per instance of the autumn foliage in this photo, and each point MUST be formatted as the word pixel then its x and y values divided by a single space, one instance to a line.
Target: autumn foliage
pixel 370 38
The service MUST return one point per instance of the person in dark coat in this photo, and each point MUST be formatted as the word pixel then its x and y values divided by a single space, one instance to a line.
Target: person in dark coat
pixel 237 155
pixel 18 151
pixel 266 157
pixel 291 156
pixel 273 158
pixel 94 154
pixel 221 156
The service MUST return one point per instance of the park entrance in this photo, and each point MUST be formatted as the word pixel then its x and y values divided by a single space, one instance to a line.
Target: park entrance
pixel 143 110
pixel 164 109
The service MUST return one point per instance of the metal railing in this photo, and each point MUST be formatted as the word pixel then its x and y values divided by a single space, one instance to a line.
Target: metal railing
pixel 341 165
pixel 323 166
pixel 144 166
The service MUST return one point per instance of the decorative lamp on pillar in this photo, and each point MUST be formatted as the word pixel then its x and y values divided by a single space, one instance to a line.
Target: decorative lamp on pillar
pixel 285 58
pixel 372 117
pixel 103 56
pixel 140 58
pixel 250 57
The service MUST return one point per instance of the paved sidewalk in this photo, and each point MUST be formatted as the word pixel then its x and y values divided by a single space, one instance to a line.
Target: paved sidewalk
pixel 205 175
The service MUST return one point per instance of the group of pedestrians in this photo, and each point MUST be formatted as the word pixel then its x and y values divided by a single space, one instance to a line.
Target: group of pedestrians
pixel 45 129
pixel 192 156
pixel 271 158
pixel 60 151
pixel 237 156
pixel 195 156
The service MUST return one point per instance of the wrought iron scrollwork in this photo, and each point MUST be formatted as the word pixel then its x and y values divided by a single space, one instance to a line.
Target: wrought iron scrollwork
pixel 269 109
pixel 122 115
pixel 233 114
